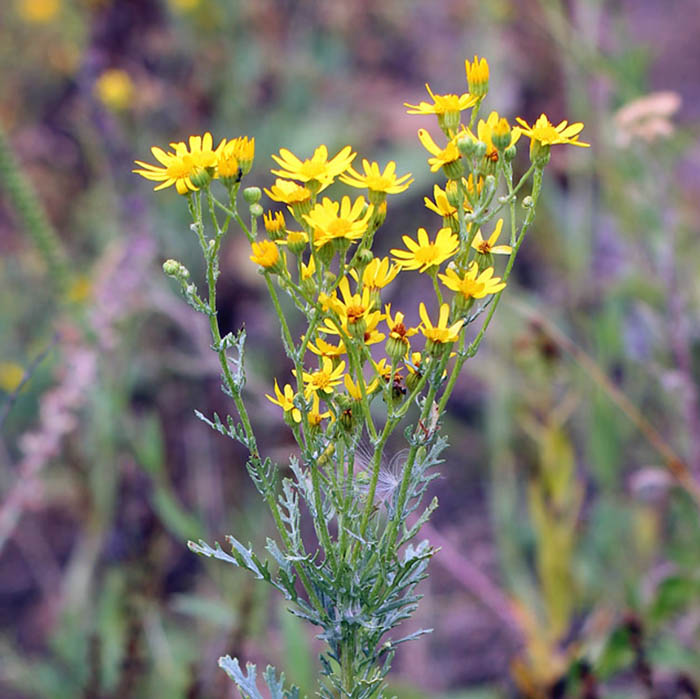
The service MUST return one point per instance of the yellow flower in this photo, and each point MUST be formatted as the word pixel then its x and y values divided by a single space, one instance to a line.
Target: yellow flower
pixel 285 401
pixel 317 168
pixel 477 76
pixel 308 271
pixel 398 344
pixel 323 379
pixel 383 369
pixel 288 192
pixel 546 134
pixel 423 255
pixel 442 157
pixel 11 376
pixel 326 349
pixel 333 221
pixel 487 247
pixel 315 415
pixel 442 333
pixel 474 284
pixel 355 315
pixel 275 224
pixel 265 254
pixel 377 274
pixel 38 11
pixel 397 328
pixel 442 104
pixel 115 89
pixel 354 388
pixel 441 206
pixel 495 126
pixel 375 180
pixel 238 153
pixel 179 168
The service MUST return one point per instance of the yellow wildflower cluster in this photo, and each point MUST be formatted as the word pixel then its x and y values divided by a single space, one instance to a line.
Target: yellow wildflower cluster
pixel 324 259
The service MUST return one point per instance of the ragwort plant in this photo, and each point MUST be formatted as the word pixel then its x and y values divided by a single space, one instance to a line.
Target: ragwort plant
pixel 359 367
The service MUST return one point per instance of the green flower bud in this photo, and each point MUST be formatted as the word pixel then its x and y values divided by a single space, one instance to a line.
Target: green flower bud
pixel 256 210
pixel 510 153
pixel 252 195
pixel 176 269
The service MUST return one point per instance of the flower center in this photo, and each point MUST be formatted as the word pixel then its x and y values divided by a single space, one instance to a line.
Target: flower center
pixel 427 254
pixel 339 228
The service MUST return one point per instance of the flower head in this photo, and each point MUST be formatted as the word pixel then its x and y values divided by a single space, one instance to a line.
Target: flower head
pixel 115 88
pixel 324 379
pixel 423 254
pixel 477 76
pixel 182 166
pixel 285 399
pixel 487 247
pixel 377 274
pixel 442 104
pixel 288 192
pixel 354 388
pixel 326 349
pixel 316 168
pixel 274 224
pixel 474 284
pixel 333 221
pixel 375 180
pixel 442 157
pixel 441 206
pixel 546 134
pixel 442 333
pixel 265 253
pixel 496 127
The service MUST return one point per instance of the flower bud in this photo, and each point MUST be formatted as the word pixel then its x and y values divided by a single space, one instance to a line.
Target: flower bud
pixel 256 210
pixel 176 269
pixel 500 134
pixel 510 153
pixel 466 145
pixel 252 195
pixel 528 202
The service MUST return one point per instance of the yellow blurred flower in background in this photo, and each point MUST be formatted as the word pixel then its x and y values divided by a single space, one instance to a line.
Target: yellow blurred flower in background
pixel 38 11
pixel 11 375
pixel 115 89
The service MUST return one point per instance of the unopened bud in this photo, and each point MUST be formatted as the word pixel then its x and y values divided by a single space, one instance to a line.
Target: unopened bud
pixel 252 195
pixel 176 269
pixel 256 210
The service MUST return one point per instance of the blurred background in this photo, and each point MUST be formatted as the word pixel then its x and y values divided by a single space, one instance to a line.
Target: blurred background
pixel 569 507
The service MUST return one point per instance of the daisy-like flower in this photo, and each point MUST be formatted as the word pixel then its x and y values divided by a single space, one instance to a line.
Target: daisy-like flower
pixel 377 274
pixel 474 284
pixel 315 415
pixel 288 192
pixel 424 255
pixel 317 168
pixel 477 76
pixel 443 105
pixel 338 221
pixel 398 344
pixel 353 310
pixel 383 369
pixel 442 333
pixel 188 167
pixel 296 241
pixel 265 254
pixel 274 224
pixel 441 206
pixel 498 128
pixel 355 390
pixel 377 182
pixel 308 270
pixel 447 157
pixel 488 247
pixel 546 134
pixel 326 349
pixel 324 379
pixel 285 399
pixel 240 150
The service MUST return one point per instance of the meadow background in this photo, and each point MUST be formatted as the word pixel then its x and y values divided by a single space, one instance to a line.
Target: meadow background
pixel 569 500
